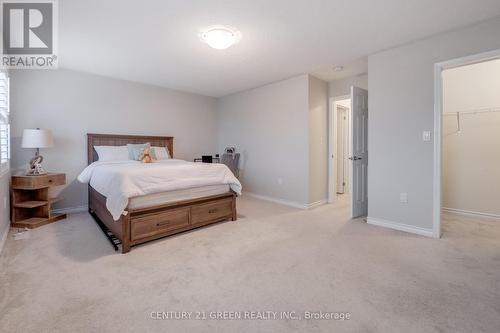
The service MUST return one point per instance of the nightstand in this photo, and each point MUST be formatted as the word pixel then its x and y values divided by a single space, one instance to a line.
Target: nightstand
pixel 31 206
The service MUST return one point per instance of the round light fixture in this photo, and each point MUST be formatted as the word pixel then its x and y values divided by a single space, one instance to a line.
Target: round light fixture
pixel 220 37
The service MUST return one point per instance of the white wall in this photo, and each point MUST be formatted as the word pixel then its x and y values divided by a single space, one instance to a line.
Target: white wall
pixel 342 87
pixel 269 126
pixel 281 131
pixel 73 104
pixel 471 159
pixel 401 101
pixel 318 140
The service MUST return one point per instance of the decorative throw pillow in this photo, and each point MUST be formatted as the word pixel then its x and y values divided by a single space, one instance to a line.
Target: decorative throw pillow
pixel 160 153
pixel 135 150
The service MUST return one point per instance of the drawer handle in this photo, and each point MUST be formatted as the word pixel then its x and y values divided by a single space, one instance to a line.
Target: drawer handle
pixel 159 224
pixel 211 211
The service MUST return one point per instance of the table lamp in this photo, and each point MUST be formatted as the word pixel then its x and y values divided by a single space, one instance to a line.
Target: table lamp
pixel 37 138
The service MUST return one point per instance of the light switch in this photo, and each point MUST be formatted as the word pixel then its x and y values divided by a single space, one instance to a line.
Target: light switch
pixel 426 135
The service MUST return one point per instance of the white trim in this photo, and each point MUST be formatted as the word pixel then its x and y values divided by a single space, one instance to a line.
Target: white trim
pixel 470 213
pixel 287 202
pixel 438 111
pixel 400 227
pixel 4 172
pixel 332 111
pixel 438 104
pixel 317 204
pixel 275 200
pixel 4 238
pixel 71 210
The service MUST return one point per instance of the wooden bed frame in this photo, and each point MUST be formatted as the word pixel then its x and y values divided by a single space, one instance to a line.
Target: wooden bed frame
pixel 146 224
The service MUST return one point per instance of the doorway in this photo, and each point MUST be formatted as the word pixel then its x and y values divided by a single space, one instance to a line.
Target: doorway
pixel 467 141
pixel 342 145
pixel 348 152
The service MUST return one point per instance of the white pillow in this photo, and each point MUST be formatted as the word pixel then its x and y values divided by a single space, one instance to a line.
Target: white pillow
pixel 161 153
pixel 112 153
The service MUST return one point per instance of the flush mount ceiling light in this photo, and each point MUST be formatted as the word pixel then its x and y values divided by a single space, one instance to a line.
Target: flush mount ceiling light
pixel 220 37
pixel 338 68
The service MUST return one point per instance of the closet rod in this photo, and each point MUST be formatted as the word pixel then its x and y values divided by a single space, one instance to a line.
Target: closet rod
pixel 485 110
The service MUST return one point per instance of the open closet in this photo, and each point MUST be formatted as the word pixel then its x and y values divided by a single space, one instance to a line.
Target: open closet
pixel 471 140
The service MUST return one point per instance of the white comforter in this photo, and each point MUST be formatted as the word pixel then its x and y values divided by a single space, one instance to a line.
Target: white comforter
pixel 119 181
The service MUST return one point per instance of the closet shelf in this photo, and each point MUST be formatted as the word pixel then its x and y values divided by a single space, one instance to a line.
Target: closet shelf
pixel 476 111
pixel 459 114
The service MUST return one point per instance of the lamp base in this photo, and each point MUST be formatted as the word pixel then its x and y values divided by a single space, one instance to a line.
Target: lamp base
pixel 36 168
pixel 36 173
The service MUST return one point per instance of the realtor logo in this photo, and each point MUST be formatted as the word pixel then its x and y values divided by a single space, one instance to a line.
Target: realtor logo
pixel 29 34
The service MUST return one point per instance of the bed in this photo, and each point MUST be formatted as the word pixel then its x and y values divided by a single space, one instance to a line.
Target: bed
pixel 157 215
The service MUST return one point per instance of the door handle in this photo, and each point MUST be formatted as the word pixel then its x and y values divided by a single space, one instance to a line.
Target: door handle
pixel 355 158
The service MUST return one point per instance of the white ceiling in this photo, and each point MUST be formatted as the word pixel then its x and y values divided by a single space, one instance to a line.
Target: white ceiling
pixel 351 68
pixel 156 41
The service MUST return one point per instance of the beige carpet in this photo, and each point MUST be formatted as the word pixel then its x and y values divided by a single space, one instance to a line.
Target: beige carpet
pixel 67 278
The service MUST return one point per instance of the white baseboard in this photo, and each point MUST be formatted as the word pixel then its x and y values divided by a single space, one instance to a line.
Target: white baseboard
pixel 71 210
pixel 276 200
pixel 286 202
pixel 3 240
pixel 400 226
pixel 317 204
pixel 470 213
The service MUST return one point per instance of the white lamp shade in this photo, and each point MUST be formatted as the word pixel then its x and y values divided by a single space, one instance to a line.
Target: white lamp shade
pixel 37 138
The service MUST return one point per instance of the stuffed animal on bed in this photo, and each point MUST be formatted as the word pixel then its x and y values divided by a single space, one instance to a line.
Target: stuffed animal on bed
pixel 145 156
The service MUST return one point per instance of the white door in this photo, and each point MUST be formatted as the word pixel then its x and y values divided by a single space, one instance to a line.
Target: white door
pixel 341 144
pixel 359 107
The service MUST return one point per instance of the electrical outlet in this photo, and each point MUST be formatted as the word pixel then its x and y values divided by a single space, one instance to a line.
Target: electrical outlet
pixel 403 197
pixel 280 181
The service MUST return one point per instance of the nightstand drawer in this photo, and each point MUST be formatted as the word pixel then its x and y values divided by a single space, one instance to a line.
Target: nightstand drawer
pixel 35 182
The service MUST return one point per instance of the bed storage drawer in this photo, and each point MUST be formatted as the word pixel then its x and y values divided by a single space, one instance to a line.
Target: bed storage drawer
pixel 157 224
pixel 210 212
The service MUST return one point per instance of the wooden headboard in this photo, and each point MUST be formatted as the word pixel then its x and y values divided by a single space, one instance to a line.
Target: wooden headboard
pixel 121 140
